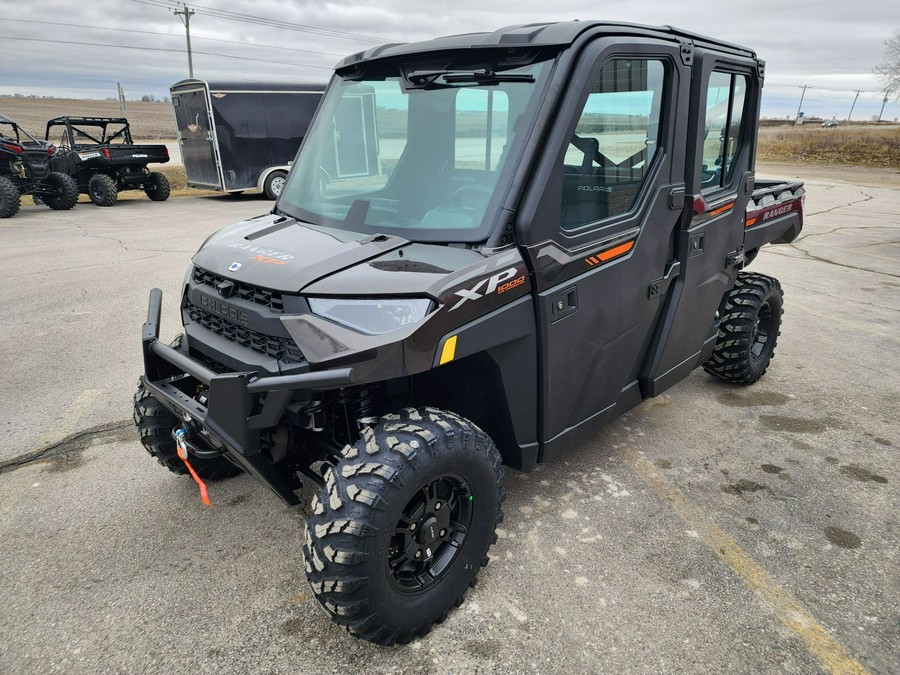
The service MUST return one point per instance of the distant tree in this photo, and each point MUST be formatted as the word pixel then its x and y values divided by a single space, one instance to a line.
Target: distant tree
pixel 147 98
pixel 889 69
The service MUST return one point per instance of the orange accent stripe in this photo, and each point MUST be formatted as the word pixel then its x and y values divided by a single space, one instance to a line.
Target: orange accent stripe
pixel 722 209
pixel 751 222
pixel 621 249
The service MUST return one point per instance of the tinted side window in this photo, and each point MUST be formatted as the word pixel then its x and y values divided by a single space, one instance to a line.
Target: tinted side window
pixel 615 141
pixel 726 98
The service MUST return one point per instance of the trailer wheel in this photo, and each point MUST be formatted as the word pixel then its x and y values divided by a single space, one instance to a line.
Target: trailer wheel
pixel 403 524
pixel 102 190
pixel 156 186
pixel 154 423
pixel 9 198
pixel 61 191
pixel 749 328
pixel 274 184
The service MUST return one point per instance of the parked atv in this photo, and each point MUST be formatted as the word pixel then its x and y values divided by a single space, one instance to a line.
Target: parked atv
pixel 488 246
pixel 25 170
pixel 99 154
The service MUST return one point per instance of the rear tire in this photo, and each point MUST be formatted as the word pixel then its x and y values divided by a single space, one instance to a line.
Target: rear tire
pixel 102 190
pixel 154 423
pixel 65 191
pixel 9 198
pixel 748 330
pixel 403 524
pixel 274 184
pixel 156 186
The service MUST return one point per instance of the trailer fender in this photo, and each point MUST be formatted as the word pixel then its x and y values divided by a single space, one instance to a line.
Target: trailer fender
pixel 261 181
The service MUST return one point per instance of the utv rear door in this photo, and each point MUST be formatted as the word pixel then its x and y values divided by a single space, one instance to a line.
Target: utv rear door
pixel 599 222
pixel 709 245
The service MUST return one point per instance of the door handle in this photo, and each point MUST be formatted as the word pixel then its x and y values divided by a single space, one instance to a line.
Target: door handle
pixel 661 285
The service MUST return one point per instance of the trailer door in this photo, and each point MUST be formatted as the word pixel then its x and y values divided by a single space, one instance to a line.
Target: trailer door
pixel 196 138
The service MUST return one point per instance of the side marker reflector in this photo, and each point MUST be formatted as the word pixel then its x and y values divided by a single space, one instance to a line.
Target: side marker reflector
pixel 449 350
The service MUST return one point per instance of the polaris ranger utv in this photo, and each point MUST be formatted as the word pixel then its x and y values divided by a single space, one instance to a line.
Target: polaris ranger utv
pixel 100 155
pixel 25 170
pixel 489 245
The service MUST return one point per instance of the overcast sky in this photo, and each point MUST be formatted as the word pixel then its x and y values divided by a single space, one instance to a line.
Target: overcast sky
pixel 831 45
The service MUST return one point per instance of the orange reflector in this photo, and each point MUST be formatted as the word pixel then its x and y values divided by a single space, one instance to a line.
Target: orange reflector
pixel 722 209
pixel 621 249
pixel 751 222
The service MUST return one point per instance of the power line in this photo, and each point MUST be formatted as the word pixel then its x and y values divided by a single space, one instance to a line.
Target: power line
pixel 173 35
pixel 161 49
pixel 263 21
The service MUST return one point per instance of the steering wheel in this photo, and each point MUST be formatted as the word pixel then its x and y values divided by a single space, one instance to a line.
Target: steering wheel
pixel 472 196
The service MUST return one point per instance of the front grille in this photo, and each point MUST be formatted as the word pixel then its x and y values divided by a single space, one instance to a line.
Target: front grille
pixel 260 296
pixel 276 347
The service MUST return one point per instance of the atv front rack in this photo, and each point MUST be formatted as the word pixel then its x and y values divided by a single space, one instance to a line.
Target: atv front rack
pixel 229 415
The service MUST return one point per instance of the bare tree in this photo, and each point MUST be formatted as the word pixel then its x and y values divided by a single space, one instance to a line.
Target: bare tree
pixel 889 70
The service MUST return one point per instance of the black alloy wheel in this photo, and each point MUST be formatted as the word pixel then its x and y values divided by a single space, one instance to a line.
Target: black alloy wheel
pixel 430 533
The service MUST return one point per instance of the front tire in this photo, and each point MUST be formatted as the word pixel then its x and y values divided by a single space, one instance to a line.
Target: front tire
pixel 156 186
pixel 102 190
pixel 9 198
pixel 274 184
pixel 748 330
pixel 403 524
pixel 64 191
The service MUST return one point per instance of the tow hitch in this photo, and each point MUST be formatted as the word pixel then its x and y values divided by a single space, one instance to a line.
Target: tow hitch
pixel 181 444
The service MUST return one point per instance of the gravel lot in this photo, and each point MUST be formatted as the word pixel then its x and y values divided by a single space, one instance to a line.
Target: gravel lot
pixel 713 529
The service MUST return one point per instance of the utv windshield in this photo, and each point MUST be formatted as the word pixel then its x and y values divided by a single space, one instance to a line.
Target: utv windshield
pixel 423 153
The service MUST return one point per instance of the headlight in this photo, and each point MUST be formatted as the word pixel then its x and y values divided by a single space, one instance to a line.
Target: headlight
pixel 372 316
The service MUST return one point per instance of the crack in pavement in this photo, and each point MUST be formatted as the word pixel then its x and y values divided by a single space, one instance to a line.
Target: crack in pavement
pixel 77 442
pixel 866 198
pixel 809 256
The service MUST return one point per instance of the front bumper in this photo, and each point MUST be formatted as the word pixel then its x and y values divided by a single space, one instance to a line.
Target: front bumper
pixel 240 405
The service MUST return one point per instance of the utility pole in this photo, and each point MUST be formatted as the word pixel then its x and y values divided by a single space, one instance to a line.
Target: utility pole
pixel 187 13
pixel 854 104
pixel 883 103
pixel 799 107
pixel 121 100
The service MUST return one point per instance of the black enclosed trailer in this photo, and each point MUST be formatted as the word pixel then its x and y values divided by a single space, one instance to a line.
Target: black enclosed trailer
pixel 237 136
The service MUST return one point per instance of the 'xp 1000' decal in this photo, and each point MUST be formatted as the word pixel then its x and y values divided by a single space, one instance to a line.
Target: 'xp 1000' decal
pixel 499 283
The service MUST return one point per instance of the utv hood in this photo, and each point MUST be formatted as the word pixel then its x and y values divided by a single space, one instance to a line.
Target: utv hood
pixel 284 254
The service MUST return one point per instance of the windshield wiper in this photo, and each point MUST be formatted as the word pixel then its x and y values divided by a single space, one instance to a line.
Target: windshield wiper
pixel 427 78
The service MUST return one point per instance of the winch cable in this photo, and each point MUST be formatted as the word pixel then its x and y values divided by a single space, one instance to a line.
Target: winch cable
pixel 183 453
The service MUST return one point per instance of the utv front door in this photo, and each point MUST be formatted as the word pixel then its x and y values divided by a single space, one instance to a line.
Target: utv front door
pixel 606 201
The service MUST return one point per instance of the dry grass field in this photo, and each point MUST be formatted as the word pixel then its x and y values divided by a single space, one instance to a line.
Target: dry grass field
pixel 148 120
pixel 856 145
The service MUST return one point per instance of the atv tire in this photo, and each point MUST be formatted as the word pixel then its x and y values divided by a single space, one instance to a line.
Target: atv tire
pixel 403 524
pixel 748 330
pixel 154 423
pixel 65 191
pixel 102 190
pixel 9 198
pixel 274 184
pixel 156 186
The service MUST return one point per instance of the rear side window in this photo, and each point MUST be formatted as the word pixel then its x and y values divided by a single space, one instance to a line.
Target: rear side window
pixel 726 99
pixel 615 141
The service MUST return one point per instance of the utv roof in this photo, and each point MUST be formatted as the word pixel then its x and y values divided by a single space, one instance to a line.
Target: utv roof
pixel 538 35
pixel 87 120
pixel 244 85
